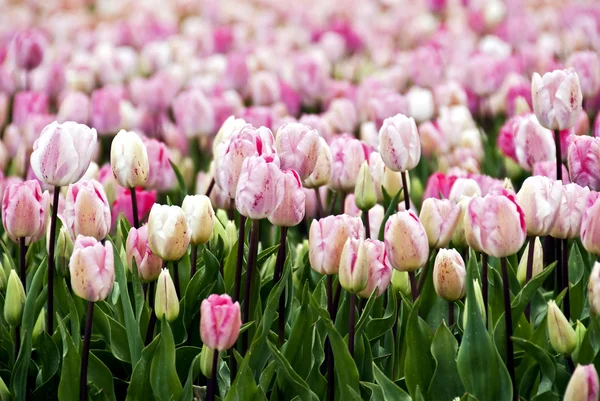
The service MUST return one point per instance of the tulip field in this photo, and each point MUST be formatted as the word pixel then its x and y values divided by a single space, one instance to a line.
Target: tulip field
pixel 320 200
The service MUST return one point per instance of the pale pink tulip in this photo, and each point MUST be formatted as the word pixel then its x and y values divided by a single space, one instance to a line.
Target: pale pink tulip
pixel 584 159
pixel 557 98
pixel 194 113
pixel 92 269
pixel 137 248
pixel 87 211
pixel 298 148
pixel 380 270
pixel 570 211
pixel 399 142
pixel 449 275
pixel 439 218
pixel 348 154
pixel 406 241
pixel 261 187
pixel 290 211
pixel 540 198
pixel 220 322
pixel 25 210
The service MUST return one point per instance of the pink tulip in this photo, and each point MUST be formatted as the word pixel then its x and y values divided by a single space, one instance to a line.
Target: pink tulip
pixel 557 98
pixel 506 136
pixel 584 159
pixel 439 218
pixel 570 211
pixel 587 66
pixel 348 154
pixel 540 199
pixel 548 169
pixel 261 187
pixel 590 224
pixel 321 174
pixel 500 223
pixel 406 241
pixel 122 204
pixel 148 264
pixel 75 106
pixel 87 211
pixel 218 198
pixel 264 88
pixel 105 110
pixel 63 153
pixel 533 143
pixel 342 115
pixel 319 123
pixel 464 187
pixel 290 211
pixel 326 240
pixel 439 186
pixel 298 148
pixel 449 275
pixel 92 269
pixel 380 270
pixel 25 210
pixel 220 322
pixel 28 46
pixel 583 385
pixel 27 104
pixel 400 144
pixel 194 113
pixel 309 78
pixel 160 175
pixel 427 66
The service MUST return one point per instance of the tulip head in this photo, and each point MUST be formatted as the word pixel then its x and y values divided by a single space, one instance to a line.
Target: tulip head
pixel 354 269
pixel 261 187
pixel 406 241
pixel 540 198
pixel 364 192
pixel 168 232
pixel 562 336
pixel 322 171
pixel 148 264
pixel 87 211
pixel 590 224
pixel 25 210
pixel 348 154
pixel 583 157
pixel 449 275
pixel 399 142
pixel 292 208
pixel 570 211
pixel 194 113
pixel 92 269
pixel 298 148
pixel 464 187
pixel 15 300
pixel 439 218
pixel 220 322
pixel 380 270
pixel 200 217
pixel 594 289
pixel 557 98
pixel 166 303
pixel 129 159
pixel 583 385
pixel 63 252
pixel 538 261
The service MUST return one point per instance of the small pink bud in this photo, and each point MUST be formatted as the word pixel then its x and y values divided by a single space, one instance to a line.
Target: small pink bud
pixel 557 98
pixel 148 264
pixel 540 198
pixel 400 144
pixel 298 148
pixel 92 269
pixel 449 275
pixel 406 241
pixel 290 211
pixel 25 210
pixel 220 322
pixel 439 218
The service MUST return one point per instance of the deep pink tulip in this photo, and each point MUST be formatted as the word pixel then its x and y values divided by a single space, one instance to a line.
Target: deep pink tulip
pixel 590 224
pixel 148 264
pixel 298 148
pixel 380 270
pixel 27 104
pixel 290 211
pixel 570 211
pixel 92 269
pixel 557 98
pixel 584 159
pixel 87 211
pixel 439 186
pixel 122 204
pixel 348 154
pixel 194 113
pixel 25 210
pixel 28 47
pixel 260 190
pixel 220 322
pixel 540 198
pixel 406 241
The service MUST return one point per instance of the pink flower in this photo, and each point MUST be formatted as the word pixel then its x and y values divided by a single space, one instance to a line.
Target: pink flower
pixel 75 106
pixel 590 224
pixel 583 385
pixel 533 143
pixel 220 322
pixel 290 211
pixel 557 98
pixel 348 154
pixel 570 211
pixel 148 264
pixel 584 159
pixel 87 211
pixel 400 144
pixel 28 47
pixel 548 169
pixel 25 210
pixel 380 270
pixel 261 187
pixel 449 275
pixel 540 198
pixel 439 186
pixel 406 241
pixel 160 175
pixel 194 113
pixel 342 115
pixel 506 136
pixel 122 204
pixel 290 98
pixel 309 78
pixel 264 88
pixel 427 66
pixel 27 104
pixel 92 269
pixel 439 218
pixel 298 148
pixel 105 111
pixel 587 66
pixel 384 104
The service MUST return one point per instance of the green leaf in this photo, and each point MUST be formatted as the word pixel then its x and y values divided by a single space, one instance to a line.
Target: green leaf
pixel 139 387
pixel 364 317
pixel 4 392
pixel 519 303
pixel 180 181
pixel 446 383
pixel 112 332
pixel 392 208
pixel 244 387
pixel 388 388
pixel 68 388
pixel 297 349
pixel 101 377
pixel 292 378
pixel 419 365
pixel 194 371
pixel 545 360
pixel 163 372
pixel 50 356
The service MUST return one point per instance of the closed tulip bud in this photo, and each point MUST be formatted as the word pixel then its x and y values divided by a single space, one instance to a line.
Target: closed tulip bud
pixel 590 224
pixel 400 282
pixel 562 336
pixel 63 252
pixel 148 264
pixel 232 234
pixel 194 113
pixel 583 158
pixel 15 300
pixel 327 237
pixel 478 300
pixel 348 155
pixel 62 153
pixel 449 275
pixel 87 211
pixel 25 210
pixel 364 192
pixel 406 241
pixel 399 143
pixel 261 188
pixel 292 208
pixel 129 159
pixel 3 280
pixel 220 322
pixel 206 360
pixel 168 232
pixel 580 331
pixel 540 198
pixel 439 218
pixel 557 98
pixel 298 148
pixel 166 303
pixel 322 172
pixel 200 217
pixel 92 269
pixel 500 222
pixel 463 233
pixel 570 211
pixel 538 261
pixel 464 187
pixel 583 385
pixel 594 290
pixel 391 181
pixel 380 270
pixel 354 269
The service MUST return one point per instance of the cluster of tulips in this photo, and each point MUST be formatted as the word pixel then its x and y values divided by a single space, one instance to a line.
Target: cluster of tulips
pixel 332 201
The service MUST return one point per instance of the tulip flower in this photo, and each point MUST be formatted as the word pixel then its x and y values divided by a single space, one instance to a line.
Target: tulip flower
pixel 540 198
pixel 399 142
pixel 570 211
pixel 123 205
pixel 160 173
pixel 354 269
pixel 87 212
pixel 464 233
pixel 166 303
pixel 75 106
pixel 261 187
pixel 220 322
pixel 557 98
pixel 168 232
pixel 26 105
pixel 406 241
pixel 200 217
pixel 129 159
pixel 537 264
pixel 322 171
pixel 439 218
pixel 298 148
pixel 92 269
pixel 290 211
pixel 590 224
pixel 583 158
pixel 25 211
pixel 137 248
pixel 105 113
pixel 562 336
pixel 364 192
pixel 194 113
pixel 264 88
pixel 439 186
pixel 594 289
pixel 464 187
pixel 348 154
pixel 583 385
pixel 380 271
pixel 15 300
pixel 587 66
pixel 533 143
pixel 449 274
pixel 29 46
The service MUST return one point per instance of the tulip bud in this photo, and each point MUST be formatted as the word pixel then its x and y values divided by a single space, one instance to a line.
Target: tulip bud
pixel 14 301
pixel 39 326
pixel 583 385
pixel 557 98
pixel 129 159
pixel 160 173
pixel 322 171
pixel 562 336
pixel 380 271
pixel 478 300
pixel 439 218
pixel 168 232
pixel 406 241
pixel 232 233
pixel 28 45
pixel 298 148
pixel 87 211
pixel 400 282
pixel 148 264
pixel 364 192
pixel 63 252
pixel 291 210
pixel 261 187
pixel 166 303
pixel 540 198
pixel 580 331
pixel 206 360
pixel 594 290
pixel 92 269
pixel 3 280
pixel 392 182
pixel 538 261
pixel 57 144
pixel 220 322
pixel 354 270
pixel 25 210
pixel 399 142
pixel 449 275
pixel 464 187
pixel 200 217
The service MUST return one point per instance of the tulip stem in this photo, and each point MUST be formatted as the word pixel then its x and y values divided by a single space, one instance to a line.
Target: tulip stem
pixel 529 273
pixel 194 260
pixel 559 268
pixel 279 265
pixel 86 352
pixel 328 350
pixel 240 259
pixel 510 363
pixel 252 251
pixel 51 245
pixel 413 285
pixel 210 187
pixel 152 322
pixel 211 386
pixel 333 202
pixel 484 282
pixel 558 155
pixel 134 207
pixel 450 314
pixel 22 263
pixel 17 343
pixel 565 276
pixel 319 204
pixel 365 217
pixel 404 175
pixel 176 279
pixel 570 363
pixel 351 325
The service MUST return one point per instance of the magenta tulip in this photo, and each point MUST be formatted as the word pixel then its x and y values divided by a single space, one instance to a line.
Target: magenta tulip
pixel 220 322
